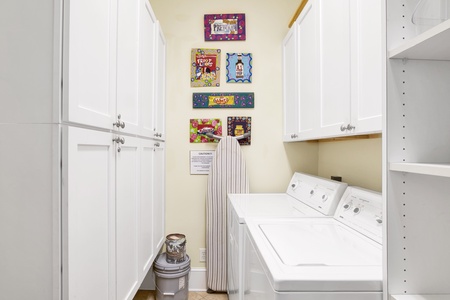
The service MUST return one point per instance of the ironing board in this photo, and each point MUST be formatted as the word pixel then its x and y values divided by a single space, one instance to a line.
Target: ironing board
pixel 228 174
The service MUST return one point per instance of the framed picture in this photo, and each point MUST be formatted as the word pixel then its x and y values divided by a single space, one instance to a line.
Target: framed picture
pixel 205 68
pixel 224 27
pixel 200 127
pixel 239 67
pixel 223 100
pixel 237 126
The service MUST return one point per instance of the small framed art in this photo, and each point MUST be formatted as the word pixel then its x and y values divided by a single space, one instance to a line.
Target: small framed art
pixel 237 126
pixel 200 127
pixel 224 27
pixel 205 67
pixel 223 100
pixel 239 67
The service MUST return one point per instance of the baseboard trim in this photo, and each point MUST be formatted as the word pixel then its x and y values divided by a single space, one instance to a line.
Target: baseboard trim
pixel 197 280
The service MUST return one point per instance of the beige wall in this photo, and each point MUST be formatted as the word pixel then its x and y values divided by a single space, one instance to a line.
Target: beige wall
pixel 358 162
pixel 270 162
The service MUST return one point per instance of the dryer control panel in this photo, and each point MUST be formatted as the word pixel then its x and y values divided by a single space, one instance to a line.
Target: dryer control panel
pixel 319 193
pixel 362 210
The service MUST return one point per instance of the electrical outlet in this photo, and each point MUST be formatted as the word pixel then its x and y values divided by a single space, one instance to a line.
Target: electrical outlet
pixel 202 254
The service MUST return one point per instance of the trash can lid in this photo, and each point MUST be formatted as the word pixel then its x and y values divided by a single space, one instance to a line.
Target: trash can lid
pixel 162 265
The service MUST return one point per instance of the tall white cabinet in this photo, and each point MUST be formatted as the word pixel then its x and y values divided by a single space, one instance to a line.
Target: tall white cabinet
pixel 333 70
pixel 81 189
pixel 417 143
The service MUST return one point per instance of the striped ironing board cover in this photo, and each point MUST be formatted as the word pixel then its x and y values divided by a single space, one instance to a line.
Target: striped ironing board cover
pixel 228 174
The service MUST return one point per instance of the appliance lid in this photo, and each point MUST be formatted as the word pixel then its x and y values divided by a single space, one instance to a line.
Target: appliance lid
pixel 269 205
pixel 320 244
pixel 315 255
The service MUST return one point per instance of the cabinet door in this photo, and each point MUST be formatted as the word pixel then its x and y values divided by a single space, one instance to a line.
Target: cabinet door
pixel 334 98
pixel 89 79
pixel 127 216
pixel 308 109
pixel 88 214
pixel 128 64
pixel 159 202
pixel 368 63
pixel 290 88
pixel 147 71
pixel 146 250
pixel 160 82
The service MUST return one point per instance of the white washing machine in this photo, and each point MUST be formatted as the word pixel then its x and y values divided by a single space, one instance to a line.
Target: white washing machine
pixel 337 258
pixel 306 196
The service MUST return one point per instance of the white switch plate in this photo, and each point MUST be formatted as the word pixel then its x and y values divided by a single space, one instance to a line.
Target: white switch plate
pixel 202 254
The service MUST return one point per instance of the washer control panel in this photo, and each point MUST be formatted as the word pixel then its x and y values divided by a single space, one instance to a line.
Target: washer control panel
pixel 320 193
pixel 362 210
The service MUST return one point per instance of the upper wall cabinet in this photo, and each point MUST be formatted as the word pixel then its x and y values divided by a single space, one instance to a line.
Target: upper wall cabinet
pixel 109 55
pixel 338 79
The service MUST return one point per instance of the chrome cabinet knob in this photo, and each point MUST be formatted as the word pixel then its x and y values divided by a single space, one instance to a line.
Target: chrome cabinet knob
pixel 343 128
pixel 119 124
pixel 350 127
pixel 119 140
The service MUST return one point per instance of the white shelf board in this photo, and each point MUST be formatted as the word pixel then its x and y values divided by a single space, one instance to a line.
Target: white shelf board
pixel 422 168
pixel 420 297
pixel 433 44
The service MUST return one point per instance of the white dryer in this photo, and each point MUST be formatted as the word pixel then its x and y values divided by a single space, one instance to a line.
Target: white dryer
pixel 337 258
pixel 306 196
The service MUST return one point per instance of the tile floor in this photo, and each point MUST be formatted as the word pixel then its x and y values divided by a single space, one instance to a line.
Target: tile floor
pixel 150 295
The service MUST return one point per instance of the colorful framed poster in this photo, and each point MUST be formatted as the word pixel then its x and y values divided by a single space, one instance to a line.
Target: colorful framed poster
pixel 224 27
pixel 239 67
pixel 238 126
pixel 205 68
pixel 200 127
pixel 223 100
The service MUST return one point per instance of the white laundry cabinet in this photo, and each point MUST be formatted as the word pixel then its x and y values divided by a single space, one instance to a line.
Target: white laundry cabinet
pixel 417 151
pixel 81 190
pixel 333 70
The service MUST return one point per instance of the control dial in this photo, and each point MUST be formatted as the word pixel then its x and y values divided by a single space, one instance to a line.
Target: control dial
pixel 347 205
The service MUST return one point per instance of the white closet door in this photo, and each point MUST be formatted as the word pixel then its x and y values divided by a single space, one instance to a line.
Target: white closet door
pixel 159 203
pixel 88 214
pixel 147 71
pixel 334 66
pixel 146 250
pixel 89 85
pixel 127 208
pixel 128 64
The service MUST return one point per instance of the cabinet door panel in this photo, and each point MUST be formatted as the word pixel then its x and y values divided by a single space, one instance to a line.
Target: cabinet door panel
pixel 146 249
pixel 308 69
pixel 334 66
pixel 128 64
pixel 147 71
pixel 127 208
pixel 88 214
pixel 89 64
pixel 290 87
pixel 367 62
pixel 159 203
pixel 160 83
